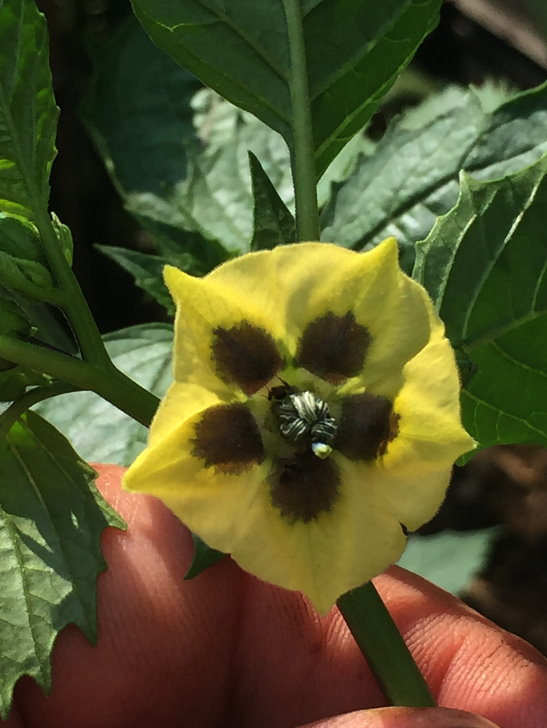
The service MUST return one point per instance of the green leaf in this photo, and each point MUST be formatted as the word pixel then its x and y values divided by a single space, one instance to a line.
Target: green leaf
pixel 215 201
pixel 140 120
pixel 120 110
pixel 28 115
pixel 12 318
pixel 218 123
pixel 449 559
pixel 354 49
pixel 273 223
pixel 64 238
pixel 99 431
pixel 412 177
pixel 185 213
pixel 51 518
pixel 204 557
pixel 22 263
pixel 146 269
pixel 485 266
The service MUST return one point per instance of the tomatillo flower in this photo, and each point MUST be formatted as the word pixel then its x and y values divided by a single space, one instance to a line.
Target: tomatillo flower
pixel 314 416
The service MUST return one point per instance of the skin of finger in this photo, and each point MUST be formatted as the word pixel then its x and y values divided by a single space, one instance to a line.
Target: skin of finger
pixel 404 718
pixel 226 649
pixel 14 720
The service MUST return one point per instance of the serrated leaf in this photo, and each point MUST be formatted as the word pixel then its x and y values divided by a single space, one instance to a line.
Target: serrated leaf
pixel 449 559
pixel 51 518
pixel 99 431
pixel 28 115
pixel 412 177
pixel 485 266
pixel 204 557
pixel 354 52
pixel 273 223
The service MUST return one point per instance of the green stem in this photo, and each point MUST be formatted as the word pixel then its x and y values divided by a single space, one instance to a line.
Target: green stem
pixel 303 150
pixel 107 381
pixel 33 396
pixel 76 308
pixel 384 648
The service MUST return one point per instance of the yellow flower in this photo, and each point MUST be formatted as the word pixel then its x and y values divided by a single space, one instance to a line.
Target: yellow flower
pixel 314 416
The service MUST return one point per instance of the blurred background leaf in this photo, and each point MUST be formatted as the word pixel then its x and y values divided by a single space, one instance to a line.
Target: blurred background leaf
pixel 450 558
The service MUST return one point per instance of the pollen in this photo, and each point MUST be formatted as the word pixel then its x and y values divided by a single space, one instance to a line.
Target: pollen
pixel 304 417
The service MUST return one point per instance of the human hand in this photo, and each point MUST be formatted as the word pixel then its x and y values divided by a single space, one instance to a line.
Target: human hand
pixel 228 650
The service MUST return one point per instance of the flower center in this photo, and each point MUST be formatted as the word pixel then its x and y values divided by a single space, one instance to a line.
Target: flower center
pixel 303 417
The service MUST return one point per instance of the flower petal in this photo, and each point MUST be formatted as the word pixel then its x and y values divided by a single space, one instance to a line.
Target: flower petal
pixel 415 470
pixel 339 550
pixel 361 304
pixel 429 426
pixel 221 341
pixel 180 403
pixel 348 328
pixel 213 457
pixel 412 498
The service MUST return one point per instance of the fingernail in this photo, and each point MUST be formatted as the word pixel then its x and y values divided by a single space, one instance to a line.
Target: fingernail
pixel 426 718
pixel 454 719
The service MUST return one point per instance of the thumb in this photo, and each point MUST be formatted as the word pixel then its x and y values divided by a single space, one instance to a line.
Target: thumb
pixel 404 718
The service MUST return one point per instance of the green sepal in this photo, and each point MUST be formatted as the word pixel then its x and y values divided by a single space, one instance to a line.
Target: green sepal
pixel 466 366
pixel 273 223
pixel 204 557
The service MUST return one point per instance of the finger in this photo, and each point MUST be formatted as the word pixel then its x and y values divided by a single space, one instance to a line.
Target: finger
pixel 467 661
pixel 154 663
pixel 14 720
pixel 227 643
pixel 404 718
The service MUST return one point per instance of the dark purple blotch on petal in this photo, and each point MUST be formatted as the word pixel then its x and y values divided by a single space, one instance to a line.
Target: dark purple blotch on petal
pixel 245 355
pixel 334 347
pixel 366 426
pixel 304 486
pixel 227 437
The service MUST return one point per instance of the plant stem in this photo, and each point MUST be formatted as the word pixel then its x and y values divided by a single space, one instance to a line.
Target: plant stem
pixel 33 396
pixel 107 381
pixel 76 308
pixel 382 645
pixel 303 150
